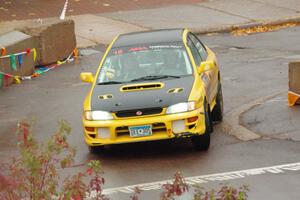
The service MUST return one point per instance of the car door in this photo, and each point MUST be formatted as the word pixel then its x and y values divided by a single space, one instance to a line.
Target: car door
pixel 210 77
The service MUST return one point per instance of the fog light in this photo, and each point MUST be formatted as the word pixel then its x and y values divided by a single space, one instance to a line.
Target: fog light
pixel 178 126
pixel 90 129
pixel 192 119
pixel 103 133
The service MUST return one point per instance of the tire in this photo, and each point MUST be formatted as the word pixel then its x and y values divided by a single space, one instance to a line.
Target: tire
pixel 217 113
pixel 96 149
pixel 202 142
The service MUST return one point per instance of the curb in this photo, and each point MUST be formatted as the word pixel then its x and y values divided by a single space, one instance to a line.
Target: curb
pixel 232 124
pixel 230 28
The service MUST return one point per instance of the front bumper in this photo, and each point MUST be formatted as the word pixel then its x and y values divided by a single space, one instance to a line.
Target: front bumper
pixel 161 128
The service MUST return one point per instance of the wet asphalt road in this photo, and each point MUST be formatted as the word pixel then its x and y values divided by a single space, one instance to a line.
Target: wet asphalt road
pixel 251 67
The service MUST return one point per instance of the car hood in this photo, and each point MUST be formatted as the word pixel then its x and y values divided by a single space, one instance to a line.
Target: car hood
pixel 111 98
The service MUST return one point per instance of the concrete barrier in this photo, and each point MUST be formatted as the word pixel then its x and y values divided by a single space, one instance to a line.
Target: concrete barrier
pixel 15 42
pixel 294 77
pixel 53 40
pixel 294 83
pixel 56 39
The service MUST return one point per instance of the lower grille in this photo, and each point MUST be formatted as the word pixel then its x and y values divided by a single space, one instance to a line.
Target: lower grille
pixel 139 112
pixel 156 127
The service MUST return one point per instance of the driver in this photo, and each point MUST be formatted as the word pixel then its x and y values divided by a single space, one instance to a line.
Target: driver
pixel 130 67
pixel 171 65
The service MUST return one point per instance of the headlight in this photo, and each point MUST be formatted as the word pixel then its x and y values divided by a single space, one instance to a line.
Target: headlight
pixel 181 107
pixel 97 115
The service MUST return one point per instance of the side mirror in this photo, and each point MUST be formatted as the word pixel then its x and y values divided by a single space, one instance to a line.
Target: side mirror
pixel 87 77
pixel 206 66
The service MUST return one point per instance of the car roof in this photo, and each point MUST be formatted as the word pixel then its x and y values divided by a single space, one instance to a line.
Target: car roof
pixel 149 37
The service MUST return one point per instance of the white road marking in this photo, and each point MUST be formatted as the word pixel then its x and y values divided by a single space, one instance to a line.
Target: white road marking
pixel 63 12
pixel 276 169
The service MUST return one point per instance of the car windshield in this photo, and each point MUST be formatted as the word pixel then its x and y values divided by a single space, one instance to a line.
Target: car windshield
pixel 145 62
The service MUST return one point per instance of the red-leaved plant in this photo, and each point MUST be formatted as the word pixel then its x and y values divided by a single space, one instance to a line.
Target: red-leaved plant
pixel 224 193
pixel 176 188
pixel 33 174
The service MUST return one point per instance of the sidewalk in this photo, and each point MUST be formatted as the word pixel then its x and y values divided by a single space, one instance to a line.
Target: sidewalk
pixel 33 9
pixel 101 26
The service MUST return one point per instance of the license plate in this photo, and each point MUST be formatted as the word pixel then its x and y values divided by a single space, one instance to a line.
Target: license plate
pixel 140 131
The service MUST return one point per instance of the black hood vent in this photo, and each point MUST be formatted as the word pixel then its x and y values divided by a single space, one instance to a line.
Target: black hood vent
pixel 145 86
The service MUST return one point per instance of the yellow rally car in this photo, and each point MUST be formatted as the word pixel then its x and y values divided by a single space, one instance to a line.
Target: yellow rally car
pixel 153 85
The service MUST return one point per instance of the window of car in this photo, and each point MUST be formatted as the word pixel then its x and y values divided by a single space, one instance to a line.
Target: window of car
pixel 199 46
pixel 194 51
pixel 125 64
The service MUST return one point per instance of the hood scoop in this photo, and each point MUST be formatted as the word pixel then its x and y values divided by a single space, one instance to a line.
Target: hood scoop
pixel 175 90
pixel 141 86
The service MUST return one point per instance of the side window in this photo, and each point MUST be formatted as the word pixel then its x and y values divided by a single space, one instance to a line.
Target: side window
pixel 194 51
pixel 200 48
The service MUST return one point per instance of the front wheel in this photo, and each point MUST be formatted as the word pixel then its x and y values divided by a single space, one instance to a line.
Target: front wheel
pixel 202 142
pixel 217 113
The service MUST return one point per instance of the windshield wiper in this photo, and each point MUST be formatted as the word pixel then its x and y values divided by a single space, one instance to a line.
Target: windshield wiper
pixel 152 77
pixel 110 83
